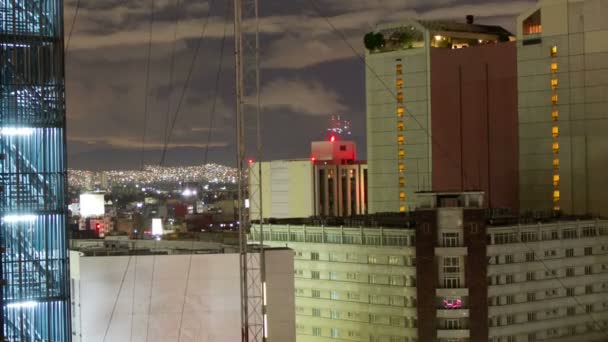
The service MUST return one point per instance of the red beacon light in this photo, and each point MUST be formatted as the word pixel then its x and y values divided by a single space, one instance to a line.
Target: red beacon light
pixel 313 159
pixel 332 138
pixel 97 226
pixel 250 161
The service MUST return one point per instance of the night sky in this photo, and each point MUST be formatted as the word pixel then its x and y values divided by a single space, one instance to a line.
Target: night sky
pixel 308 74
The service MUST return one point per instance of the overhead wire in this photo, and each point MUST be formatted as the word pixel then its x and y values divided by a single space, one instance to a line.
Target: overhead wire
pixel 341 35
pixel 185 86
pixel 69 39
pixel 147 86
pixel 122 282
pixel 217 88
pixel 171 72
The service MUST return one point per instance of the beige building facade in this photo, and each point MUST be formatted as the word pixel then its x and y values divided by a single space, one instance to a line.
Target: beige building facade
pixel 562 52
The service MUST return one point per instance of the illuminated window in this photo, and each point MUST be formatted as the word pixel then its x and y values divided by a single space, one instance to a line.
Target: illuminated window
pixel 400 125
pixel 402 208
pixel 401 153
pixel 556 163
pixel 402 196
pixel 399 83
pixel 399 69
pixel 553 51
pixel 555 195
pixel 556 208
pixel 555 131
pixel 554 98
pixel 400 112
pixel 555 114
pixel 555 147
pixel 401 181
pixel 553 67
pixel 401 168
pixel 555 180
pixel 554 83
pixel 399 97
pixel 400 139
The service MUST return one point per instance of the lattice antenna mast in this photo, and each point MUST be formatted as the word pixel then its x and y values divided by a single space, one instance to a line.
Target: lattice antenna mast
pixel 247 71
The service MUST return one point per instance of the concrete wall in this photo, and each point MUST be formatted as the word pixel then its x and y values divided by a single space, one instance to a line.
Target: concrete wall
pixel 157 298
pixel 474 122
pixel 287 187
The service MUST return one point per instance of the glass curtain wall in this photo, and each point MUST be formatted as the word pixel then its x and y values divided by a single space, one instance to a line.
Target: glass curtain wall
pixel 33 241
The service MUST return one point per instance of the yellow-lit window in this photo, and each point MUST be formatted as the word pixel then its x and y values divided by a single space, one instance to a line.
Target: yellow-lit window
pixel 555 180
pixel 553 51
pixel 400 125
pixel 555 147
pixel 399 97
pixel 400 111
pixel 555 195
pixel 401 181
pixel 399 83
pixel 402 208
pixel 399 69
pixel 556 163
pixel 553 67
pixel 556 208
pixel 554 98
pixel 402 196
pixel 400 139
pixel 555 114
pixel 401 168
pixel 401 153
pixel 555 131
pixel 554 83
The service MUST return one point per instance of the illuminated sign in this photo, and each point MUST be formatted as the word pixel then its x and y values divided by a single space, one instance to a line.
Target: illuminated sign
pixel 157 226
pixel 452 303
pixel 91 205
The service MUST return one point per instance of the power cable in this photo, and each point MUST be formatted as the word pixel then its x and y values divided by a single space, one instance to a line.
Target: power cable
pixel 122 282
pixel 217 86
pixel 171 72
pixel 67 43
pixel 341 36
pixel 185 87
pixel 147 86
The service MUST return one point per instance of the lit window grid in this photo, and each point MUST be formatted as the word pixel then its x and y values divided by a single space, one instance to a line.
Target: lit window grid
pixel 555 129
pixel 400 137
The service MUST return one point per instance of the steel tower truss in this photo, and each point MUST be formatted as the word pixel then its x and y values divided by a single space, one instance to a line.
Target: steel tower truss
pixel 33 242
pixel 246 38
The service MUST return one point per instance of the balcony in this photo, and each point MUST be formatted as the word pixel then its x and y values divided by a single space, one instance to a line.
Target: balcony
pixel 452 313
pixel 453 333
pixel 450 251
pixel 459 292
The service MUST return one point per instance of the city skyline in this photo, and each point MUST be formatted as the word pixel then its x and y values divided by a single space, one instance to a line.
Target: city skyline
pixel 301 88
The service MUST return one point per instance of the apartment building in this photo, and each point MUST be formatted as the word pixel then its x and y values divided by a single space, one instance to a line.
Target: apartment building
pixel 444 273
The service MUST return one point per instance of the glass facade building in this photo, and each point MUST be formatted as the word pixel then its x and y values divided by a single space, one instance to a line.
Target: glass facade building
pixel 33 241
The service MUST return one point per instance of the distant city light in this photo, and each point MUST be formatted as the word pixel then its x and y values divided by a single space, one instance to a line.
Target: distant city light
pixel 28 304
pixel 12 131
pixel 19 218
pixel 188 192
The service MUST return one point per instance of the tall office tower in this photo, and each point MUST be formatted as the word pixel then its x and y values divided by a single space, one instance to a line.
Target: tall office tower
pixel 562 60
pixel 441 112
pixel 35 292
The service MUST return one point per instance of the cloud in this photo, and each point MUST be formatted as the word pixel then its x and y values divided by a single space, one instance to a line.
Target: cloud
pixel 131 143
pixel 311 98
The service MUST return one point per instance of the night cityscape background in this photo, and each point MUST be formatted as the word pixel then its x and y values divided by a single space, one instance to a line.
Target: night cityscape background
pixel 304 171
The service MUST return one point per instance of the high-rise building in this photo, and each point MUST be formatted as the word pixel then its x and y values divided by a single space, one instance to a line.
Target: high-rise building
pixel 441 112
pixel 562 62
pixel 33 242
pixel 446 273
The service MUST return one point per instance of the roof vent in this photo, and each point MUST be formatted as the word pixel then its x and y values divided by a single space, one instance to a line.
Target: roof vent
pixel 470 19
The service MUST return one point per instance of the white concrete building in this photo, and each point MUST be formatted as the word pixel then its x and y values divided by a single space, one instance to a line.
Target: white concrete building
pixel 193 297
